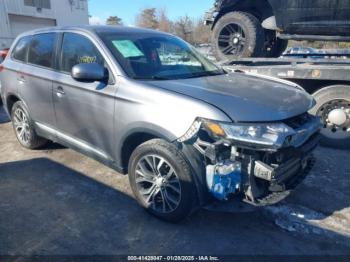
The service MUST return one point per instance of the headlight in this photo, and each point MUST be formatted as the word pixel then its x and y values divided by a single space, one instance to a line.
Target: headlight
pixel 264 134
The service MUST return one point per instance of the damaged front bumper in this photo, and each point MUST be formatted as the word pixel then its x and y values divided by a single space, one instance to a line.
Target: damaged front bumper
pixel 259 174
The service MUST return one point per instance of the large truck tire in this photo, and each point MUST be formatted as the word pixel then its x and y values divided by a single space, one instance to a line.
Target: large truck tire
pixel 238 34
pixel 333 106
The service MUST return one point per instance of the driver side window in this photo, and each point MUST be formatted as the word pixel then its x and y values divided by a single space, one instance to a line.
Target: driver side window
pixel 77 49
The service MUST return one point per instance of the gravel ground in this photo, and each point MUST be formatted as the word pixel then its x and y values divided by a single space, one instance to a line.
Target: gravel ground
pixel 55 201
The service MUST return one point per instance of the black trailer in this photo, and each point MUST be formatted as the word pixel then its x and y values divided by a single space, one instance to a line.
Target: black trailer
pixel 328 80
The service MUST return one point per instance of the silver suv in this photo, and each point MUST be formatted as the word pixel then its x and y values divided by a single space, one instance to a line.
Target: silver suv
pixel 148 104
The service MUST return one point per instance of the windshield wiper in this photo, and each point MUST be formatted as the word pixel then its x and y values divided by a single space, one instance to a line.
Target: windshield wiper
pixel 151 78
pixel 160 78
pixel 207 73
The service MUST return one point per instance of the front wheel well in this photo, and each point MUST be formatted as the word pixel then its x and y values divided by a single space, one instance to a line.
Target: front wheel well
pixel 10 101
pixel 260 9
pixel 131 143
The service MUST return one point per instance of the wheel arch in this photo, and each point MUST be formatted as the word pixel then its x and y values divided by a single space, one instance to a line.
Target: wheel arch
pixel 11 99
pixel 260 9
pixel 136 137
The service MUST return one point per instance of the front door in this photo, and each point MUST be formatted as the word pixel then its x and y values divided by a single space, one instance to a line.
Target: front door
pixel 84 111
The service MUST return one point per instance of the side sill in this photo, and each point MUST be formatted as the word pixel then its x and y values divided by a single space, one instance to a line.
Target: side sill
pixel 78 146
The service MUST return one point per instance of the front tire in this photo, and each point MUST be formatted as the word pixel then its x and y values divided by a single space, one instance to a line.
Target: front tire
pixel 238 34
pixel 161 180
pixel 24 129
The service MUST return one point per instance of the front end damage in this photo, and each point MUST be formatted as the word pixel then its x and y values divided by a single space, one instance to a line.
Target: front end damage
pixel 257 162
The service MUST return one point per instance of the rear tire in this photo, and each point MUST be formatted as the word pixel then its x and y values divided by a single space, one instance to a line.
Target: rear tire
pixel 238 34
pixel 161 180
pixel 328 99
pixel 24 128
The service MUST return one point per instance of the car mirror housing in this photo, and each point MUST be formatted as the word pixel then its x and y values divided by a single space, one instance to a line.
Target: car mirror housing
pixel 89 72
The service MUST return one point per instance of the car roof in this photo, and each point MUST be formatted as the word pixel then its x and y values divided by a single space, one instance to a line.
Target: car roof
pixel 97 29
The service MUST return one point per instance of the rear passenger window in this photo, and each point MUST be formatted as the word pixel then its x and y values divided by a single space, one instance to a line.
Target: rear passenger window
pixel 41 50
pixel 20 51
pixel 77 49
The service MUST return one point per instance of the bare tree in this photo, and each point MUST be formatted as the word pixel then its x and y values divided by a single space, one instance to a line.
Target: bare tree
pixel 201 33
pixel 114 20
pixel 148 18
pixel 184 28
pixel 164 23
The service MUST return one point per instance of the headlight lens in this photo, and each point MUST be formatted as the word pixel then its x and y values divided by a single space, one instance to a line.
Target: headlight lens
pixel 269 134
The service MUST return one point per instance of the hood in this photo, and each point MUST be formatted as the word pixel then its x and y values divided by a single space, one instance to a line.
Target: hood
pixel 242 97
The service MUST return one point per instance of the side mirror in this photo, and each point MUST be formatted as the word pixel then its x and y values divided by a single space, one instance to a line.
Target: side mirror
pixel 89 72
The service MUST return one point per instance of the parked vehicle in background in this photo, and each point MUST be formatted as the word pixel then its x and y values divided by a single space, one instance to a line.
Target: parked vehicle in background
pixel 250 28
pixel 148 104
pixel 304 52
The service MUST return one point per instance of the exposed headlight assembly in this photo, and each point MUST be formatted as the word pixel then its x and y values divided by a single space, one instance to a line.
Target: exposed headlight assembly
pixel 267 135
pixel 272 135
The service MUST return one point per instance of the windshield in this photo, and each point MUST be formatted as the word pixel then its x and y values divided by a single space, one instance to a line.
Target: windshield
pixel 153 57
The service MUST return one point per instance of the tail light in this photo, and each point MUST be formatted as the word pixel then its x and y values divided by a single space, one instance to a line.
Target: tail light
pixel 3 53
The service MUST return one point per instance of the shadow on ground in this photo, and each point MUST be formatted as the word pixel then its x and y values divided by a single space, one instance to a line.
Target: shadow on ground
pixel 47 208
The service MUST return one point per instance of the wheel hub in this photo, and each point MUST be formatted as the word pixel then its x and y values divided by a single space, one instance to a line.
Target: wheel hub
pixel 160 182
pixel 232 40
pixel 338 117
pixel 235 40
pixel 335 115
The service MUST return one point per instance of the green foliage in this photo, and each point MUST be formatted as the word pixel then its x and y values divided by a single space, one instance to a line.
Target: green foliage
pixel 114 20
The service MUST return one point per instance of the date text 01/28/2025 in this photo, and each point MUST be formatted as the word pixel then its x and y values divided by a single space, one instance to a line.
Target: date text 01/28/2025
pixel 173 258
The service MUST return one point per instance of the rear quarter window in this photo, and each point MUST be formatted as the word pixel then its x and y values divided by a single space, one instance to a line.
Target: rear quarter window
pixel 42 49
pixel 20 51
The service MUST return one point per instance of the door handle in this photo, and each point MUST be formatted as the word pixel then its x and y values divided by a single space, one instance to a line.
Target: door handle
pixel 21 79
pixel 59 91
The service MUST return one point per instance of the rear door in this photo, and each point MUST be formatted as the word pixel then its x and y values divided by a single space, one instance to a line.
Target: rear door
pixel 12 66
pixel 35 78
pixel 84 111
pixel 311 17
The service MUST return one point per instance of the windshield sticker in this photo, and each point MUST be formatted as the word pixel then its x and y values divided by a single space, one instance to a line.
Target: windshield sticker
pixel 87 59
pixel 127 48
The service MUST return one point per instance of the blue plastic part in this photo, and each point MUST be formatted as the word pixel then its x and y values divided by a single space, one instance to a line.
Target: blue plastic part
pixel 224 185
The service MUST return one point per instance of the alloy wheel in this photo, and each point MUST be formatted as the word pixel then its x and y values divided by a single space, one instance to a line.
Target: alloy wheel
pixel 232 40
pixel 158 184
pixel 21 125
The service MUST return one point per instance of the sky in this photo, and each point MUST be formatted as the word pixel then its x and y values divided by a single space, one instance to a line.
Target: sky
pixel 100 10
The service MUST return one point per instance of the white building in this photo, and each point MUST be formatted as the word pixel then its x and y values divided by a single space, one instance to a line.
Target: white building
pixel 18 16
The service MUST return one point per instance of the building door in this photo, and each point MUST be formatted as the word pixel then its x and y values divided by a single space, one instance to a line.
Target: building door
pixel 20 24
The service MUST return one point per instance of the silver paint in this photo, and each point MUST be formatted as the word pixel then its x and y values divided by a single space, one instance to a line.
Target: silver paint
pixel 99 117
